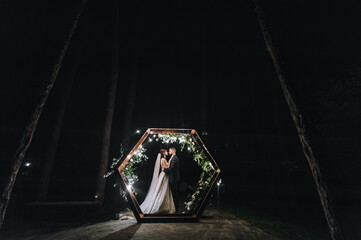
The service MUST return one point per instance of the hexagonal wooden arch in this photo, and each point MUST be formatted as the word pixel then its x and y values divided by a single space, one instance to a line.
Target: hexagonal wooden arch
pixel 177 217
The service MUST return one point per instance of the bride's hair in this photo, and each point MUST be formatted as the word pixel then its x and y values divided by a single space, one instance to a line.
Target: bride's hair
pixel 163 152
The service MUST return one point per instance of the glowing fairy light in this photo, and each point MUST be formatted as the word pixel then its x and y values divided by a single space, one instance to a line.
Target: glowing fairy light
pixel 130 184
pixel 210 164
pixel 138 131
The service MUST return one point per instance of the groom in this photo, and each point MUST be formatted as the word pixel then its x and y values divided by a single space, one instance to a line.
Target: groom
pixel 173 172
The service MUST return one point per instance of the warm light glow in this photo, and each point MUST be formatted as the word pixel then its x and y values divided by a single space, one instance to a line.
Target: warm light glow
pixel 211 165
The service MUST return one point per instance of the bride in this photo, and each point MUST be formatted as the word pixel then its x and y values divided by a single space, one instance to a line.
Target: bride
pixel 159 198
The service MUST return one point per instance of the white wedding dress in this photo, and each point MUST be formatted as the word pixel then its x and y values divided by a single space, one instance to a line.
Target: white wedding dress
pixel 159 198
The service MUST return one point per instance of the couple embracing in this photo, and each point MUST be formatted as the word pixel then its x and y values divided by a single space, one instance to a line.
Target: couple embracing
pixel 162 196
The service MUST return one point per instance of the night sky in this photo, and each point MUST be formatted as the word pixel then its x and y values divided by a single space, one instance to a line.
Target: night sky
pixel 189 64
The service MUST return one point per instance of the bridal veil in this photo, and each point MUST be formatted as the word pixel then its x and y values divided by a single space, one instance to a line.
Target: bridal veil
pixel 150 194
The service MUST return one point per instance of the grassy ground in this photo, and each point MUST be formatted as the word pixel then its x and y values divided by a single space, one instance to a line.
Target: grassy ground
pixel 281 226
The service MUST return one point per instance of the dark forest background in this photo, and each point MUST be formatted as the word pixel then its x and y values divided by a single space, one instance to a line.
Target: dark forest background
pixel 187 64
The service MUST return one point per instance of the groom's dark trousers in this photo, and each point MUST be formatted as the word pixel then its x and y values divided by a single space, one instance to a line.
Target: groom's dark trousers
pixel 173 173
pixel 174 189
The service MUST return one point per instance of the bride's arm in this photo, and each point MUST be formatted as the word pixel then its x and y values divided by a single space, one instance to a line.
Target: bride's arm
pixel 164 163
pixel 171 165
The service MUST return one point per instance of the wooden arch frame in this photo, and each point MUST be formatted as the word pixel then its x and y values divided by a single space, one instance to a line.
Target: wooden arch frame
pixel 177 217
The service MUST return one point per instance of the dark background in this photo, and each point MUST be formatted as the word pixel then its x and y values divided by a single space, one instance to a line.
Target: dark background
pixel 191 64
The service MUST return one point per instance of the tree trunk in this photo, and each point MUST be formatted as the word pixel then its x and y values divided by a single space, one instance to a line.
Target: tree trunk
pixel 333 225
pixel 133 85
pixel 104 158
pixel 204 104
pixel 50 156
pixel 32 124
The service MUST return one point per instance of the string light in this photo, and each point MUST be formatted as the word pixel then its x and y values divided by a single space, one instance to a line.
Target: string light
pixel 138 131
pixel 27 164
pixel 129 187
